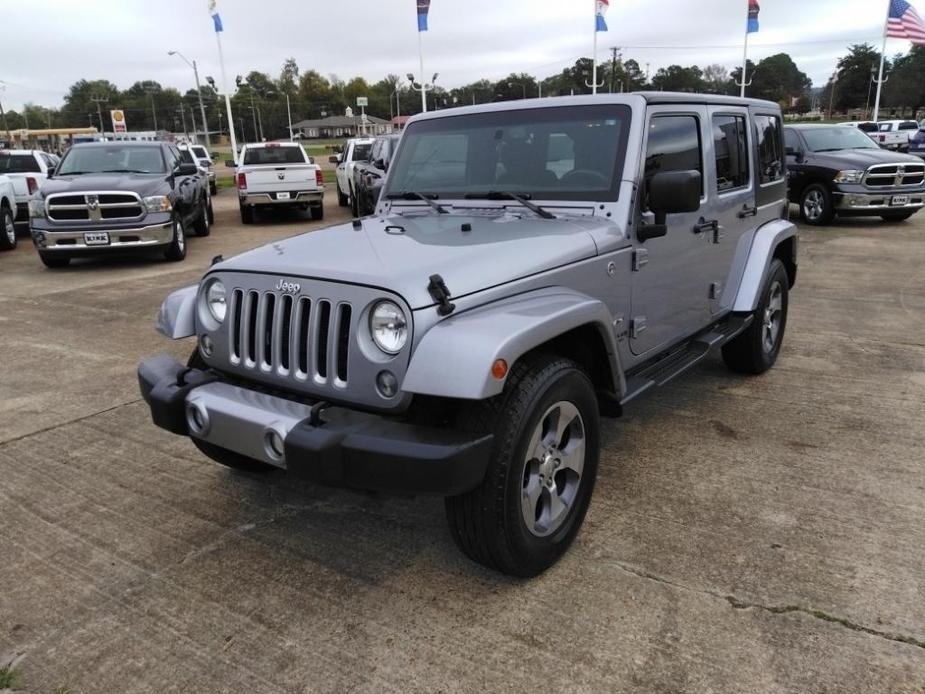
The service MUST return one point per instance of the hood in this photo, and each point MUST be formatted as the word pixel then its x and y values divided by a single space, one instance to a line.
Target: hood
pixel 863 158
pixel 401 253
pixel 143 184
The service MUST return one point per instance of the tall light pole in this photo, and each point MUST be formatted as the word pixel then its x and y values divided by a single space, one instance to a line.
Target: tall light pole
pixel 202 108
pixel 423 87
pixel 99 111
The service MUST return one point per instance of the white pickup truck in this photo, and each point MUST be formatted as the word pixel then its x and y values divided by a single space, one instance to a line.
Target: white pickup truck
pixel 7 214
pixel 356 149
pixel 28 169
pixel 895 134
pixel 273 174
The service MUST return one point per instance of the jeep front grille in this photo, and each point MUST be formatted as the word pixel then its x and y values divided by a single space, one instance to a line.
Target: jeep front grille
pixel 894 175
pixel 297 337
pixel 94 207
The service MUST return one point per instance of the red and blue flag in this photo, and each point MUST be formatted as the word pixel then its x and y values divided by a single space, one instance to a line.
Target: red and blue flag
pixel 423 9
pixel 753 10
pixel 600 24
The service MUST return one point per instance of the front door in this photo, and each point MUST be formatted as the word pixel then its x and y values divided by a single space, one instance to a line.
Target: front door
pixel 670 296
pixel 732 186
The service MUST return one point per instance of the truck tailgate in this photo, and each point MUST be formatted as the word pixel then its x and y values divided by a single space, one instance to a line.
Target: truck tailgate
pixel 269 179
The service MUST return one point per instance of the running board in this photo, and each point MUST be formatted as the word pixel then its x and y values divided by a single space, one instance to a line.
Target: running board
pixel 672 364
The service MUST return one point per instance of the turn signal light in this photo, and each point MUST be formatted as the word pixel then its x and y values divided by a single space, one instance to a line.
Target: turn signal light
pixel 242 181
pixel 499 369
pixel 319 178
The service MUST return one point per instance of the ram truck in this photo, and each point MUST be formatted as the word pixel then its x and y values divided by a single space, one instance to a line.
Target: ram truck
pixel 278 174
pixel 529 268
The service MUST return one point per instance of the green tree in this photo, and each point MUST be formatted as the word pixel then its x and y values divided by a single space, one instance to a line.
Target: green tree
pixel 78 102
pixel 676 78
pixel 778 79
pixel 854 77
pixel 905 89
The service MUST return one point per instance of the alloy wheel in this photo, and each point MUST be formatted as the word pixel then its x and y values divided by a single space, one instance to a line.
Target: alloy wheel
pixel 773 314
pixel 814 205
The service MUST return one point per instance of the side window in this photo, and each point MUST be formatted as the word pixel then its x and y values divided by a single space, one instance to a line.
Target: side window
pixel 792 140
pixel 674 145
pixel 770 149
pixel 730 141
pixel 173 157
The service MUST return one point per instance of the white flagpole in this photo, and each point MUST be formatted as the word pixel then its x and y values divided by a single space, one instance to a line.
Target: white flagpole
pixel 221 60
pixel 423 81
pixel 594 68
pixel 886 24
pixel 744 60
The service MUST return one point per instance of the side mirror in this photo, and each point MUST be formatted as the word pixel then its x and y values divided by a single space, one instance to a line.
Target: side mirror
pixel 230 163
pixel 50 172
pixel 381 164
pixel 334 159
pixel 671 192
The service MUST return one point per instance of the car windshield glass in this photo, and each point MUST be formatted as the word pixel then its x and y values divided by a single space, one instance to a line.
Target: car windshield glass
pixel 114 157
pixel 274 155
pixel 361 152
pixel 18 163
pixel 560 153
pixel 836 138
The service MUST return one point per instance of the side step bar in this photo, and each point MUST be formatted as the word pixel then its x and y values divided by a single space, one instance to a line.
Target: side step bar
pixel 670 365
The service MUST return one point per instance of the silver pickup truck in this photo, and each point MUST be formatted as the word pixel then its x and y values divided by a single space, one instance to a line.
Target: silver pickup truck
pixel 531 267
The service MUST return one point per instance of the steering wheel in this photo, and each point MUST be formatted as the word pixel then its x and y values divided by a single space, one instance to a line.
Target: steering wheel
pixel 579 176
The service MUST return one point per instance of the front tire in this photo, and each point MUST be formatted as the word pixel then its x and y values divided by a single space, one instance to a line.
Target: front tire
pixel 755 350
pixel 529 507
pixel 7 229
pixel 342 199
pixel 176 251
pixel 816 206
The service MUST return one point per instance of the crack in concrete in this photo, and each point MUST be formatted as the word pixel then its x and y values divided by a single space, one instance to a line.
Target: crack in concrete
pixel 739 604
pixel 58 425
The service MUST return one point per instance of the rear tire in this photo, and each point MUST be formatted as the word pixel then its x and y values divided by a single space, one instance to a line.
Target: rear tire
pixel 203 225
pixel 247 214
pixel 54 260
pixel 896 216
pixel 8 239
pixel 176 251
pixel 213 189
pixel 317 212
pixel 529 507
pixel 211 212
pixel 755 350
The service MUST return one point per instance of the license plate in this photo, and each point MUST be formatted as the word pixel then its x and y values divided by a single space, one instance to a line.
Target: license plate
pixel 97 238
pixel 900 200
pixel 282 196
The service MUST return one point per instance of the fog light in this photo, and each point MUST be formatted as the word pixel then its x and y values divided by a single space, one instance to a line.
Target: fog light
pixel 276 447
pixel 207 345
pixel 387 384
pixel 40 239
pixel 197 418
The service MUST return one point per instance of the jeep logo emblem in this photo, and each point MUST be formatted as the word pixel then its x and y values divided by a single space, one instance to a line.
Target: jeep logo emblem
pixel 288 287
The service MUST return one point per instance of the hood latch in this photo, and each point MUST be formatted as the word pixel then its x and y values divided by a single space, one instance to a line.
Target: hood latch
pixel 438 290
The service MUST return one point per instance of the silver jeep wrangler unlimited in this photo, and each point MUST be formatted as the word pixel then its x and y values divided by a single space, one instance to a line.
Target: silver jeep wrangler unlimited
pixel 531 266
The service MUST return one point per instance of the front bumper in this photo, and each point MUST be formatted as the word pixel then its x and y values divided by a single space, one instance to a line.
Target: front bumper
pixel 338 447
pixel 295 197
pixel 860 200
pixel 120 238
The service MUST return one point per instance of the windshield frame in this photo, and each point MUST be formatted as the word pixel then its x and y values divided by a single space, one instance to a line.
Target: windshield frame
pixel 70 155
pixel 865 143
pixel 510 118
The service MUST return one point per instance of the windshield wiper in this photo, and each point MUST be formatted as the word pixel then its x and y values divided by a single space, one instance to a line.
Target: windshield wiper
pixel 507 195
pixel 412 195
pixel 830 149
pixel 125 171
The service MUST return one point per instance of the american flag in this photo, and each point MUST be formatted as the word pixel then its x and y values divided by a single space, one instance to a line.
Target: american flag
pixel 905 23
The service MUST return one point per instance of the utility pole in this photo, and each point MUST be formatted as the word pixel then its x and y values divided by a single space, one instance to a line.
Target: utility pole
pixel 219 122
pixel 150 88
pixel 6 126
pixel 613 66
pixel 832 93
pixel 183 117
pixel 99 111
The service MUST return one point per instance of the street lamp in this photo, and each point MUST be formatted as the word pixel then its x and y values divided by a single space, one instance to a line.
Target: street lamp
pixel 423 87
pixel 202 108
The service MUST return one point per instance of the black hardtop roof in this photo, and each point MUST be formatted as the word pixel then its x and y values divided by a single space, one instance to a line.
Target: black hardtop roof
pixel 707 99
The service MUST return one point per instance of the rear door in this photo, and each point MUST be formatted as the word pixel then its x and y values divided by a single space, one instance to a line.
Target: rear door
pixel 670 295
pixel 732 187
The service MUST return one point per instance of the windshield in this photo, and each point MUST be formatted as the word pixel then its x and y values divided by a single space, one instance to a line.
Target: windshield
pixel 561 153
pixel 836 138
pixel 112 158
pixel 18 163
pixel 274 155
pixel 361 152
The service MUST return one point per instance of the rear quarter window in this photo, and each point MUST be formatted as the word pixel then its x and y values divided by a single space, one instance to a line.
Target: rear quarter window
pixel 19 163
pixel 274 155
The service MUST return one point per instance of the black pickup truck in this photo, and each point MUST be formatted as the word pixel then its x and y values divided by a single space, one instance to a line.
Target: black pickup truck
pixel 106 197
pixel 368 176
pixel 838 170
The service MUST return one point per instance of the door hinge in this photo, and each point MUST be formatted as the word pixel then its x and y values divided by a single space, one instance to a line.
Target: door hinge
pixel 637 326
pixel 640 259
pixel 716 290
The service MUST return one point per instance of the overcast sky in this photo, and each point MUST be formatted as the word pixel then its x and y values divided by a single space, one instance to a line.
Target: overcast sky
pixel 49 44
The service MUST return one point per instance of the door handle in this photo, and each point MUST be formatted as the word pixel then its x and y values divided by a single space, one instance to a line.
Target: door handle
pixel 703 226
pixel 747 211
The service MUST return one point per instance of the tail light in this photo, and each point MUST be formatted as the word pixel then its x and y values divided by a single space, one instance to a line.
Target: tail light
pixel 242 181
pixel 32 185
pixel 319 178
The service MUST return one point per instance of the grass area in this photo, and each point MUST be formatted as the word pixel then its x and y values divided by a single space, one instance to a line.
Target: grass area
pixel 228 181
pixel 9 677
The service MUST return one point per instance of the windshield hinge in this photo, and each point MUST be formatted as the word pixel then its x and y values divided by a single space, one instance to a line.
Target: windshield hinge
pixel 440 293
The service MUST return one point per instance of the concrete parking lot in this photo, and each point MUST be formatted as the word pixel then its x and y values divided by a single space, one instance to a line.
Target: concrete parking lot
pixel 746 535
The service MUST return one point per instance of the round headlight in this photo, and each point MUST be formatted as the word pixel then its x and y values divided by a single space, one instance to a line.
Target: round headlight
pixel 388 326
pixel 216 300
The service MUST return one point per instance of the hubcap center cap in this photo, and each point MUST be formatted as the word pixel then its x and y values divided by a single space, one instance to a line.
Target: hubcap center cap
pixel 551 461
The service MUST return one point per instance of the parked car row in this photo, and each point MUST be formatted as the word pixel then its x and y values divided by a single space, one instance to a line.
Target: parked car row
pixel 889 134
